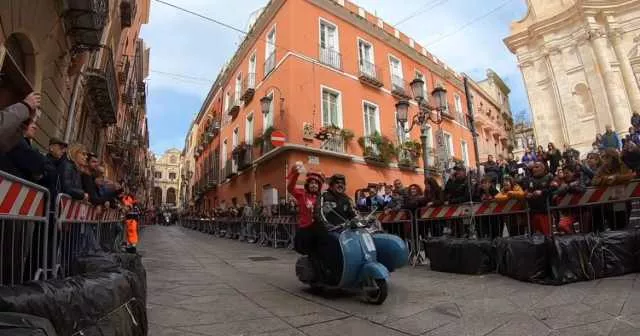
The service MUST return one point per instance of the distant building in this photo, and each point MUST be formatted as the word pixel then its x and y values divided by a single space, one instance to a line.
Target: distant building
pixel 524 138
pixel 580 61
pixel 167 178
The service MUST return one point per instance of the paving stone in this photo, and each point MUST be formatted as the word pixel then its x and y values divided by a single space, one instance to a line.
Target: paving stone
pixel 604 328
pixel 428 320
pixel 240 328
pixel 350 326
pixel 570 315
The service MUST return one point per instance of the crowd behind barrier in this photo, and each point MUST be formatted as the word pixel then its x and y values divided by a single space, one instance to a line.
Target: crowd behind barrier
pixel 39 243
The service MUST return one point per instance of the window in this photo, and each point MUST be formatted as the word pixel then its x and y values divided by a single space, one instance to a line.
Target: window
pixel 248 129
pixel 173 159
pixel 251 75
pixel 329 46
pixel 331 108
pixel 366 59
pixel 371 119
pixel 401 131
pixel 224 158
pixel 465 153
pixel 238 88
pixel 235 139
pixel 227 101
pixel 157 175
pixel 458 106
pixel 268 118
pixel 448 144
pixel 397 78
pixel 270 52
pixel 172 176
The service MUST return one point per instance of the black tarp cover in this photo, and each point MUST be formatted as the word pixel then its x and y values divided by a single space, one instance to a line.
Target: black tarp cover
pixel 463 256
pixel 524 258
pixel 15 324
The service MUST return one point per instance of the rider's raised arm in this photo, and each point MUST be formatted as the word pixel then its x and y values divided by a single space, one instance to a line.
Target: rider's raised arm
pixel 291 183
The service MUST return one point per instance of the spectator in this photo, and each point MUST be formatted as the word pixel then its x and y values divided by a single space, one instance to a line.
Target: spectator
pixel 415 198
pixel 537 194
pixel 13 117
pixel 71 171
pixel 397 185
pixel 375 199
pixel 635 120
pixel 541 155
pixel 570 154
pixel 510 190
pixel 631 156
pixel 492 169
pixel 397 202
pixel 362 200
pixel 457 188
pixel 23 160
pixel 610 139
pixel 570 183
pixel 88 177
pixel 612 171
pixel 529 158
pixel 53 162
pixel 554 157
pixel 633 136
pixel 486 191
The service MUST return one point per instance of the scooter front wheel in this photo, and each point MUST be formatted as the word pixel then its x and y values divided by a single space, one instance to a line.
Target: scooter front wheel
pixel 377 295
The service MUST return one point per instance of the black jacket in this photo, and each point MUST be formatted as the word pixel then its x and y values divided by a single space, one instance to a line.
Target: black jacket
pixel 91 188
pixel 71 180
pixel 492 169
pixel 23 161
pixel 53 176
pixel 457 191
pixel 538 204
pixel 341 205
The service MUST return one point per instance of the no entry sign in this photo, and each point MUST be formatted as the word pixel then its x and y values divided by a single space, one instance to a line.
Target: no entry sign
pixel 278 138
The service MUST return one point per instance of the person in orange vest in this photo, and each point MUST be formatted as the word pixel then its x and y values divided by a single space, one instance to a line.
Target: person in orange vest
pixel 131 222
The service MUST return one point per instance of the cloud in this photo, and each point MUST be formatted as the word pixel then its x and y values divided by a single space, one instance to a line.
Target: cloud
pixel 185 44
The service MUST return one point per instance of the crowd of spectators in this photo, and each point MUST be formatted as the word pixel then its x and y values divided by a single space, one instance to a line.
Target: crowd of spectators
pixel 69 169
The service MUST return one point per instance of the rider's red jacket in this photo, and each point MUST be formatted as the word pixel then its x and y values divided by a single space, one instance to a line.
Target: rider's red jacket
pixel 306 201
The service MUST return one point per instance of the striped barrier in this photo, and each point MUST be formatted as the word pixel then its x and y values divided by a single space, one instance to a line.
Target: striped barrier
pixel 599 195
pixel 21 199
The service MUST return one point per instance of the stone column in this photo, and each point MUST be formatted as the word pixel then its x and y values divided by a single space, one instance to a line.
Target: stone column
pixel 557 69
pixel 630 84
pixel 598 40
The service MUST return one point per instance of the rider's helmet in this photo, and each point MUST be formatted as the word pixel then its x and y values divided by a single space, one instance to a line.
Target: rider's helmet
pixel 314 176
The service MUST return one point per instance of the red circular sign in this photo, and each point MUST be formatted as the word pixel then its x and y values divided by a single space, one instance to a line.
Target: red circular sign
pixel 278 138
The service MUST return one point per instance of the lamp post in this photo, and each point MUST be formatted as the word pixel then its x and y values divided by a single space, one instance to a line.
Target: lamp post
pixel 265 102
pixel 426 113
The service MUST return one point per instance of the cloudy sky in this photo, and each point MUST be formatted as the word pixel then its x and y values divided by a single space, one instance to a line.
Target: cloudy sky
pixel 466 34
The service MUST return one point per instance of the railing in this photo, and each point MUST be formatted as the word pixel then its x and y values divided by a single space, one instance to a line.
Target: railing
pixel 24 230
pixel 270 63
pixel 102 89
pixel 85 21
pixel 125 64
pixel 397 84
pixel 334 144
pixel 370 73
pixel 248 87
pixel 127 12
pixel 330 57
pixel 234 105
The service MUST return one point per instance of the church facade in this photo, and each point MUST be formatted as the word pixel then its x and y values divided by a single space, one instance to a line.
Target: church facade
pixel 580 61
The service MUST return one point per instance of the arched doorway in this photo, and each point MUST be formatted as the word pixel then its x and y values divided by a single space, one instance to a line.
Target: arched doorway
pixel 157 197
pixel 171 196
pixel 18 69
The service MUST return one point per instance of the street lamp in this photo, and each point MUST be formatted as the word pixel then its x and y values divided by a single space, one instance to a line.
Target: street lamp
pixel 265 102
pixel 426 113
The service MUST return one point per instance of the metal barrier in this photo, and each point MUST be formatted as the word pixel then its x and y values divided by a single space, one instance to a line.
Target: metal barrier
pixel 24 230
pixel 399 223
pixel 596 209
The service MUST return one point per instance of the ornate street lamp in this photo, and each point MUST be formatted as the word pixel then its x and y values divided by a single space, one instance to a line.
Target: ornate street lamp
pixel 426 113
pixel 265 102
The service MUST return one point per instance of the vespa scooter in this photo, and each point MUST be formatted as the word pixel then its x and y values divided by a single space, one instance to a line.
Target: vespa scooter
pixel 358 265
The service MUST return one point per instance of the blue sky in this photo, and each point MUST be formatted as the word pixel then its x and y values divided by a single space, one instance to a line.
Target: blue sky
pixel 187 45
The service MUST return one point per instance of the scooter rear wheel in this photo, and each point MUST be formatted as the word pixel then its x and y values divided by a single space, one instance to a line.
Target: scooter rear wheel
pixel 379 295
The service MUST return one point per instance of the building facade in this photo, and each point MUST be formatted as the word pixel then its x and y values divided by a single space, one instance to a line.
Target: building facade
pixel 321 67
pixel 167 179
pixel 86 59
pixel 524 139
pixel 492 116
pixel 580 61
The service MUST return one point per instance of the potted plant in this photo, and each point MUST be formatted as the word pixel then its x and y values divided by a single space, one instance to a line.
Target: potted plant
pixel 377 148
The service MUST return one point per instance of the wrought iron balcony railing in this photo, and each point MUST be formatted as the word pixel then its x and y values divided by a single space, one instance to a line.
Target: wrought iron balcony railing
pixel 398 87
pixel 331 57
pixel 248 88
pixel 102 88
pixel 334 144
pixel 127 12
pixel 234 105
pixel 85 21
pixel 369 73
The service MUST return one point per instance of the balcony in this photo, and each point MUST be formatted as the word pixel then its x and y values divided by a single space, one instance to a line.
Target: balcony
pixel 102 89
pixel 398 87
pixel 229 169
pixel 129 95
pixel 330 57
pixel 234 106
pixel 369 74
pixel 334 144
pixel 270 63
pixel 125 65
pixel 244 156
pixel 85 21
pixel 127 12
pixel 248 88
pixel 116 144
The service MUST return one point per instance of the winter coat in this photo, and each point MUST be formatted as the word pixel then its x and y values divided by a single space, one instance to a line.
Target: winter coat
pixel 341 205
pixel 23 161
pixel 306 201
pixel 554 159
pixel 517 193
pixel 611 140
pixel 529 158
pixel 71 180
pixel 457 191
pixel 11 119
pixel 492 169
pixel 481 195
pixel 538 204
pixel 53 177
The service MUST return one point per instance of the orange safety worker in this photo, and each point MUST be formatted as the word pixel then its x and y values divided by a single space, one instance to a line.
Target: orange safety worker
pixel 131 222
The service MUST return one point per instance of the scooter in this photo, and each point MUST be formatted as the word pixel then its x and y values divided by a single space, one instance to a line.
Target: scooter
pixel 366 259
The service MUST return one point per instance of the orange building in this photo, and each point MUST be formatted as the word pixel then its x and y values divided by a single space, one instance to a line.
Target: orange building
pixel 318 64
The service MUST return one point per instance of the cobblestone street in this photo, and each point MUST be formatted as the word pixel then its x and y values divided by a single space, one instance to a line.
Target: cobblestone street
pixel 203 285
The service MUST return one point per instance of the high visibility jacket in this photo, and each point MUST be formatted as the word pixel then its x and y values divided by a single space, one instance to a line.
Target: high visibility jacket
pixel 131 223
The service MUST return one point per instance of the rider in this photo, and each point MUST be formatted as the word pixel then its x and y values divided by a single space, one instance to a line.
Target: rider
pixel 306 199
pixel 333 208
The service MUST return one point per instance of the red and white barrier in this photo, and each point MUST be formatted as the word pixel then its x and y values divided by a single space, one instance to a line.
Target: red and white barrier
pixel 19 199
pixel 468 210
pixel 601 195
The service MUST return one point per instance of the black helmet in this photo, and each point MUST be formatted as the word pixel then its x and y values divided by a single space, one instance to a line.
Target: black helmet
pixel 337 178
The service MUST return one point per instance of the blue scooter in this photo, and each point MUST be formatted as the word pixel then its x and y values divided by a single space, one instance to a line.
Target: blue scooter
pixel 366 258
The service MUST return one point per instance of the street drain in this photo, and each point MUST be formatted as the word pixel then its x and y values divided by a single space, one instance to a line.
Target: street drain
pixel 262 258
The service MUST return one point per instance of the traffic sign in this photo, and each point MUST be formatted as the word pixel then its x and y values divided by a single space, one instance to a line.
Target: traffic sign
pixel 278 138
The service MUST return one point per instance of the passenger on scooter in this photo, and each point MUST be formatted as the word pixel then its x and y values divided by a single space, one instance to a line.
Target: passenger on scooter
pixel 333 208
pixel 306 237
